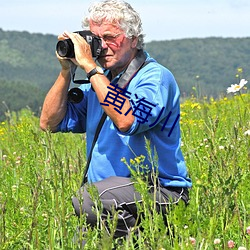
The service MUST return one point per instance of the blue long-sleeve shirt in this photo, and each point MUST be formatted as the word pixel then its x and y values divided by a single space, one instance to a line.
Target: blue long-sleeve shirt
pixel 152 88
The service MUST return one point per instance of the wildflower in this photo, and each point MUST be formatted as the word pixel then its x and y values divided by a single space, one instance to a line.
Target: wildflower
pixel 230 244
pixel 242 248
pixel 138 160
pixel 195 106
pixel 237 87
pixel 22 210
pixel 221 147
pixel 14 188
pixel 45 216
pixel 192 240
pixel 198 182
pixel 248 230
pixel 132 162
pixel 247 133
pixel 216 241
pixel 240 70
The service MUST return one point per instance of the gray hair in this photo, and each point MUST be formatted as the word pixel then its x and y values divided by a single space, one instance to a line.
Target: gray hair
pixel 120 13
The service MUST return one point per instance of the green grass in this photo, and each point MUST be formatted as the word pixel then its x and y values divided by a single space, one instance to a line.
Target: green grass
pixel 40 172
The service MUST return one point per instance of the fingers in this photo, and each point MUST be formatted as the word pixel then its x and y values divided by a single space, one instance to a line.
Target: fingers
pixel 67 35
pixel 70 35
pixel 63 36
pixel 66 61
pixel 75 37
pixel 81 48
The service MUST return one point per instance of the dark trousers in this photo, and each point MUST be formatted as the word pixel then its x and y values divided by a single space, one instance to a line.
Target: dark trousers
pixel 119 194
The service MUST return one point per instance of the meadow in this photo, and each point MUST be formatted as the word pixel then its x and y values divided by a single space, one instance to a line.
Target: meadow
pixel 40 172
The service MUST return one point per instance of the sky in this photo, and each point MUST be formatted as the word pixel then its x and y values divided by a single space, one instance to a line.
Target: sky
pixel 162 19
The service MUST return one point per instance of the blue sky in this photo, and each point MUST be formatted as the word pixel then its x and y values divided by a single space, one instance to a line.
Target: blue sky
pixel 162 19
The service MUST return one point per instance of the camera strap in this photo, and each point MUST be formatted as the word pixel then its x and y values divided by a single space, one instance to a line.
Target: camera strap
pixel 136 64
pixel 97 132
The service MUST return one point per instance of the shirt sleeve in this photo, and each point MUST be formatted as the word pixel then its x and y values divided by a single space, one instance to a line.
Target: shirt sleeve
pixel 155 95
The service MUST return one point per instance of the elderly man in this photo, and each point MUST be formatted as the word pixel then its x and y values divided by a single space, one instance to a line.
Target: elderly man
pixel 140 99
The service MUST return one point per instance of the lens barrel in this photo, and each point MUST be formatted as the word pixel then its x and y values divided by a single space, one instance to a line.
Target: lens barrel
pixel 75 95
pixel 65 48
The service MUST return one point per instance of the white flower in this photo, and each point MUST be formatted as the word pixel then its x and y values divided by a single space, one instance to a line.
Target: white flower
pixel 22 210
pixel 242 248
pixel 192 240
pixel 237 87
pixel 217 241
pixel 221 147
pixel 246 133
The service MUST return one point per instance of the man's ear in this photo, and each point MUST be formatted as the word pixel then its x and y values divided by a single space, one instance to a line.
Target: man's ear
pixel 134 42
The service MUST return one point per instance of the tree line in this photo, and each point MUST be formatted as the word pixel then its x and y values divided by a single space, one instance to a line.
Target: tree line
pixel 202 67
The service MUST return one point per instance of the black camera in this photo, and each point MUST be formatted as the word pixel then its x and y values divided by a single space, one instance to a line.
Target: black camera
pixel 65 48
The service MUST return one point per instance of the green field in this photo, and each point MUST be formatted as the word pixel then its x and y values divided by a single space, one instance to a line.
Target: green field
pixel 40 172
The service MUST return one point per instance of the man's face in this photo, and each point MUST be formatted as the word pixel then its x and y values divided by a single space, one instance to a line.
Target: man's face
pixel 118 50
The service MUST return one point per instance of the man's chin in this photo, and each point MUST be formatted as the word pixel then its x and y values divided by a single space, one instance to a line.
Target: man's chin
pixel 105 63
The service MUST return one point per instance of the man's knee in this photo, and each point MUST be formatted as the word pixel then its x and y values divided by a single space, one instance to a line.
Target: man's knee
pixel 84 205
pixel 76 205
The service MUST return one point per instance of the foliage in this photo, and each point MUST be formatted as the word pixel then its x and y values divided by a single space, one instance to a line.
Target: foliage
pixel 28 58
pixel 208 62
pixel 28 68
pixel 40 172
pixel 14 95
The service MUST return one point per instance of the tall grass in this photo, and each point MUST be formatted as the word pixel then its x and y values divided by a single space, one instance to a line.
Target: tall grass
pixel 40 172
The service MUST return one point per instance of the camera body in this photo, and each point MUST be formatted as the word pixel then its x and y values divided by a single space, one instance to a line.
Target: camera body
pixel 65 48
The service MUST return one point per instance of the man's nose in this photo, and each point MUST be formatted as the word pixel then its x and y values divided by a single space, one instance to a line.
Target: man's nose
pixel 104 44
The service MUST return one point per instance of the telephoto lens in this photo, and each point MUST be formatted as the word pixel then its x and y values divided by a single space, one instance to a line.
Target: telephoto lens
pixel 65 48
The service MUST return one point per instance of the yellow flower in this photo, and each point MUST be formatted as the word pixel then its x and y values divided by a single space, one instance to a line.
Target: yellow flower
pixel 183 113
pixel 195 105
pixel 240 70
pixel 132 162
